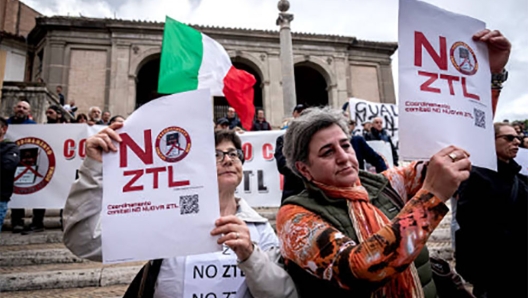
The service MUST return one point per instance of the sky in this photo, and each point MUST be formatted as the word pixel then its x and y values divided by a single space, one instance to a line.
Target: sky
pixel 375 20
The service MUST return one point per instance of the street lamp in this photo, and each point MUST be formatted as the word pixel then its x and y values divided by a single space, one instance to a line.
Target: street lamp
pixel 286 57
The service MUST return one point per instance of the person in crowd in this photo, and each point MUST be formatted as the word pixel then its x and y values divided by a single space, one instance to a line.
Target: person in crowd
pixel 297 110
pixel 81 118
pixel 367 126
pixel 71 108
pixel 62 100
pixel 94 114
pixel 524 142
pixel 222 123
pixel 234 122
pixel 54 115
pixel 378 133
pixel 292 184
pixel 260 123
pixel 257 252
pixel 364 152
pixel 518 127
pixel 116 118
pixel 356 234
pixel 9 159
pixel 494 205
pixel 22 112
pixel 106 117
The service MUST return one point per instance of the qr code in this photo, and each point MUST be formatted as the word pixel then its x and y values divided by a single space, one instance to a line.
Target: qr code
pixel 189 204
pixel 480 118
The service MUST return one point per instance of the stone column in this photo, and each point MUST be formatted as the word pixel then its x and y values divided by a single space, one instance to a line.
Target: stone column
pixel 286 56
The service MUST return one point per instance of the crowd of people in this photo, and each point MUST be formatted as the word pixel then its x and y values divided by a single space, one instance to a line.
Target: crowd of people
pixel 341 231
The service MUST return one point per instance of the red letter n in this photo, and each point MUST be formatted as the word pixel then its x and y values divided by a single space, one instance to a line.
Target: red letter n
pixel 420 41
pixel 145 156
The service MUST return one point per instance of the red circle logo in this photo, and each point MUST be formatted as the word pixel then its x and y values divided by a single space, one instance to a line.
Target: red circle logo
pixel 173 144
pixel 36 167
pixel 463 58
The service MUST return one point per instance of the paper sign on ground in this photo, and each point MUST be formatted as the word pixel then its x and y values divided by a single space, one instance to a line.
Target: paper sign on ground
pixel 160 191
pixel 363 111
pixel 522 159
pixel 50 156
pixel 444 85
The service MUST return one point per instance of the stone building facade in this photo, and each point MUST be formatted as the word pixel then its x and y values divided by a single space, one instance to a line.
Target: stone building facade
pixel 114 64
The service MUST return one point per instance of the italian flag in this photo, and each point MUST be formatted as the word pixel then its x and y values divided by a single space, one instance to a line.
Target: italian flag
pixel 191 60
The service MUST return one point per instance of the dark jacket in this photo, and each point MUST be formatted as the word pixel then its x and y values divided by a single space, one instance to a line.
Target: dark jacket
pixel 365 152
pixel 13 120
pixel 292 184
pixel 9 158
pixel 491 244
pixel 376 135
pixel 234 122
pixel 336 213
pixel 257 125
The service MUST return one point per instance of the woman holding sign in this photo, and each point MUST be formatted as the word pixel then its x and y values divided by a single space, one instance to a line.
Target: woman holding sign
pixel 357 234
pixel 248 266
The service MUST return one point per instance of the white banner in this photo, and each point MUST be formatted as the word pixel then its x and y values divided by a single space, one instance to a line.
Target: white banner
pixel 363 111
pixel 444 85
pixel 50 157
pixel 384 150
pixel 522 160
pixel 160 188
pixel 261 183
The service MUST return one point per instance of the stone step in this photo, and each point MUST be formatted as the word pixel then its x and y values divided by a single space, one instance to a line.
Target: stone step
pixel 114 291
pixel 48 236
pixel 36 254
pixel 442 250
pixel 441 235
pixel 63 276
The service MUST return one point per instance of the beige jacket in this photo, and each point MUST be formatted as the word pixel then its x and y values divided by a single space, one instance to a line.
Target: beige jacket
pixel 82 235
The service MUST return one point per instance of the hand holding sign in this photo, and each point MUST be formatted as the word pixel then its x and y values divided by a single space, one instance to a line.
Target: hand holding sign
pixel 446 170
pixel 235 234
pixel 96 144
pixel 498 46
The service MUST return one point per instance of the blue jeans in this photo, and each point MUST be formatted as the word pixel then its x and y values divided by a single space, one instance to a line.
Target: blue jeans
pixel 3 211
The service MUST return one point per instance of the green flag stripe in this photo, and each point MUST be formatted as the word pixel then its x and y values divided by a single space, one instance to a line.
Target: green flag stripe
pixel 181 57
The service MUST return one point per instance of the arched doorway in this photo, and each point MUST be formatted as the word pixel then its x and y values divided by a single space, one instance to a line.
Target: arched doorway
pixel 147 81
pixel 310 86
pixel 220 103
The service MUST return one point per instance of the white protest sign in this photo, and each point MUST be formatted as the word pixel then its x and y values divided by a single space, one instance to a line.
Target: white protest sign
pixel 384 150
pixel 444 85
pixel 50 156
pixel 213 275
pixel 261 183
pixel 522 160
pixel 363 111
pixel 160 190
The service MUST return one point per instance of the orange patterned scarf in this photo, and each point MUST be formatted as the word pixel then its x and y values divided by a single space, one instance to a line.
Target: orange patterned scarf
pixel 368 220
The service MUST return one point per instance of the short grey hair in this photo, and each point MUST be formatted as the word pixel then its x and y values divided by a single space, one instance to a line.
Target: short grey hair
pixel 301 130
pixel 93 108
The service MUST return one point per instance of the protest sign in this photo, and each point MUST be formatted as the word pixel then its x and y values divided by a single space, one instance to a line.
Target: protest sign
pixel 261 183
pixel 522 159
pixel 363 111
pixel 160 190
pixel 50 155
pixel 444 85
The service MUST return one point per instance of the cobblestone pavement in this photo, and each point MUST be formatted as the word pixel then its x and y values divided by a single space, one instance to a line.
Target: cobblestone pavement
pixel 97 292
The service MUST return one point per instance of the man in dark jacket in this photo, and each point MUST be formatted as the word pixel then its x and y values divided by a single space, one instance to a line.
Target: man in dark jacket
pixel 491 244
pixel 9 158
pixel 260 123
pixel 364 152
pixel 233 119
pixel 21 113
pixel 378 133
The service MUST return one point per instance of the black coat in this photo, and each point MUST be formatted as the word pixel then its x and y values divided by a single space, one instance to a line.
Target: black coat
pixel 375 135
pixel 365 152
pixel 491 244
pixel 10 157
pixel 293 184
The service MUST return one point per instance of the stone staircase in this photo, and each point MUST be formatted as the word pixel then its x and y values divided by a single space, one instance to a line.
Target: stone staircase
pixel 39 265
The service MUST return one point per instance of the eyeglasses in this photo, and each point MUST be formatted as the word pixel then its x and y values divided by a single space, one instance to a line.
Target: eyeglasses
pixel 510 138
pixel 234 155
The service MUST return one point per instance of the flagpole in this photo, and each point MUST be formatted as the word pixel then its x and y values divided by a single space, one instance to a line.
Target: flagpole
pixel 286 57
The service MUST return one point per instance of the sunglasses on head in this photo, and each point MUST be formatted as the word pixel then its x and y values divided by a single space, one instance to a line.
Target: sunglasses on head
pixel 510 138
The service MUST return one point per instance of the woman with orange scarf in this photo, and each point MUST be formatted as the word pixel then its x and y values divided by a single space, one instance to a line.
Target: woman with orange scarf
pixel 357 234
